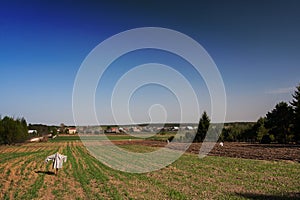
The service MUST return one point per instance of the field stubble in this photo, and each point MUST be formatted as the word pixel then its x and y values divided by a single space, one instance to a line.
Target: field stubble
pixel 24 175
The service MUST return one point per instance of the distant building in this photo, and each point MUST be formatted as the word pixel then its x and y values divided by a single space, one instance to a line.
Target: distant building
pixel 134 129
pixel 32 131
pixel 72 130
pixel 112 130
pixel 36 139
pixel 175 128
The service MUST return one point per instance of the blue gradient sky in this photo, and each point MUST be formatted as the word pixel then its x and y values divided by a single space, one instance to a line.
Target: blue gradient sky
pixel 255 44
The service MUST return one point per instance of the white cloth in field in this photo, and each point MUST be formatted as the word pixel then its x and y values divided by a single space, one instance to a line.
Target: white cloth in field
pixel 57 159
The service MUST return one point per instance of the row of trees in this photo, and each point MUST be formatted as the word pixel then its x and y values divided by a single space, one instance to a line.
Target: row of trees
pixel 13 130
pixel 281 125
pixel 16 130
pixel 42 129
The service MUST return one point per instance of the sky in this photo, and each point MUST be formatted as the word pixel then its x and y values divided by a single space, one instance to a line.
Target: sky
pixel 254 44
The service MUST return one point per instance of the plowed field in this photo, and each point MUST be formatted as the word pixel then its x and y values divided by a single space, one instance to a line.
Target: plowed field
pixel 24 175
pixel 287 152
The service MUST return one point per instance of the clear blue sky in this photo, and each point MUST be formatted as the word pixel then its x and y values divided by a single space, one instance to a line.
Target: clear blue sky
pixel 255 45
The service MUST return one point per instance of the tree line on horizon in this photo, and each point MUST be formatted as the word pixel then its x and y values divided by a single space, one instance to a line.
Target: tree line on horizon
pixel 280 125
pixel 13 130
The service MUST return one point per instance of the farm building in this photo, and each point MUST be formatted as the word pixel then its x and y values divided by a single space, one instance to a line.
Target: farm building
pixel 32 131
pixel 72 130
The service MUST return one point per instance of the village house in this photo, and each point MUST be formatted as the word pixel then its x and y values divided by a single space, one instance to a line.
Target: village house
pixel 72 130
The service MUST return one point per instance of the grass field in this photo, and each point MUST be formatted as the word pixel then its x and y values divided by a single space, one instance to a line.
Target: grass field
pixel 24 175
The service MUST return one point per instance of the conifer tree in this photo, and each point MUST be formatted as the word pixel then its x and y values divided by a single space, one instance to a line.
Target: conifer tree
pixel 296 108
pixel 202 127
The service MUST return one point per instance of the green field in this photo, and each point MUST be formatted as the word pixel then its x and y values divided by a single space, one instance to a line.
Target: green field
pixel 24 175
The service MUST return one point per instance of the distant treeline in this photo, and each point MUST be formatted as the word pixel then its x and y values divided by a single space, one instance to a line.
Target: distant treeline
pixel 16 130
pixel 280 125
pixel 13 130
pixel 42 129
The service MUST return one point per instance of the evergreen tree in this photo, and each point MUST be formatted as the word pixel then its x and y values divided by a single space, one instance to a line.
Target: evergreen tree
pixel 13 131
pixel 279 122
pixel 202 127
pixel 1 131
pixel 260 129
pixel 296 108
pixel 8 130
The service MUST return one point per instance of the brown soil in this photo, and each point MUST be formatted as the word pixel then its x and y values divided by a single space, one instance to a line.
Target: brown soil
pixel 287 152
